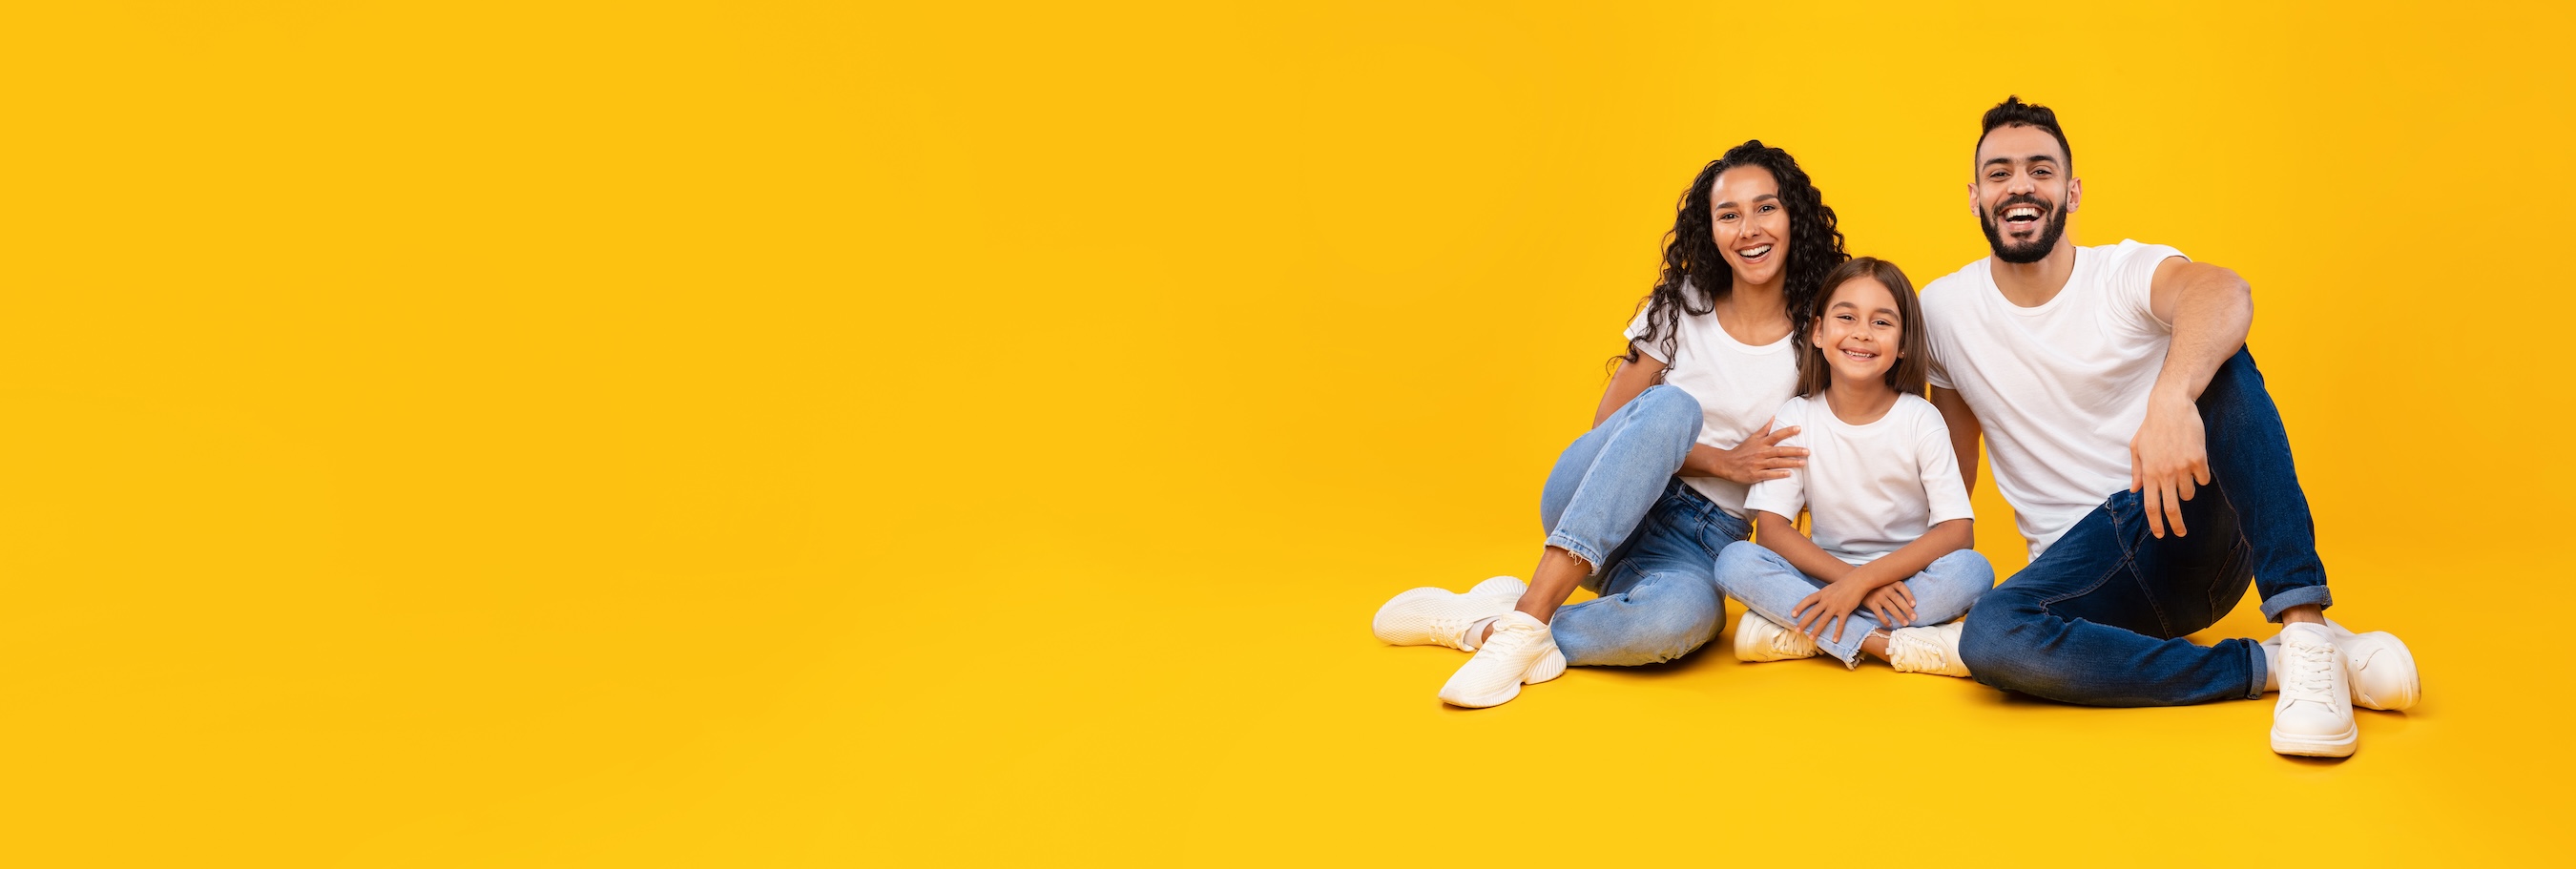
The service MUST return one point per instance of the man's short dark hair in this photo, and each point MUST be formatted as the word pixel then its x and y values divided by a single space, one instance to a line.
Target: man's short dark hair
pixel 2012 112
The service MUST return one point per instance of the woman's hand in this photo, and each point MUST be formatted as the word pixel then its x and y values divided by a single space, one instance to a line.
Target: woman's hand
pixel 1758 458
pixel 1893 604
pixel 1833 603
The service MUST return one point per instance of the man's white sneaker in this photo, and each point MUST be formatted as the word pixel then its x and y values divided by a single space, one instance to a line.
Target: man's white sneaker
pixel 2314 715
pixel 2377 665
pixel 1927 650
pixel 1516 653
pixel 2381 669
pixel 1758 639
pixel 1440 617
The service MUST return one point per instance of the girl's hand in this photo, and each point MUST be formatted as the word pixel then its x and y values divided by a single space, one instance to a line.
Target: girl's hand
pixel 1893 604
pixel 1760 457
pixel 1833 603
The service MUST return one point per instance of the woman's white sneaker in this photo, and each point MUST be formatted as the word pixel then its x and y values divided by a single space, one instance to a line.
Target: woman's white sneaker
pixel 1440 617
pixel 2313 718
pixel 1518 651
pixel 1758 639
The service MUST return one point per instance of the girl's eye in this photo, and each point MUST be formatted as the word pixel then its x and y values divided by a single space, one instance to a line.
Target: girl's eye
pixel 1881 323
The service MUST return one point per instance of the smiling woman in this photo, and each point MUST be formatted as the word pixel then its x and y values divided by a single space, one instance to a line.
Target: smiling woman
pixel 1638 508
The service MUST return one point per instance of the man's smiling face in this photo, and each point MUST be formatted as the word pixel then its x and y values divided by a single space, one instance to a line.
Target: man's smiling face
pixel 2023 192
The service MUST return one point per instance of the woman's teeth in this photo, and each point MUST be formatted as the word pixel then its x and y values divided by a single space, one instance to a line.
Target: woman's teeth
pixel 1754 253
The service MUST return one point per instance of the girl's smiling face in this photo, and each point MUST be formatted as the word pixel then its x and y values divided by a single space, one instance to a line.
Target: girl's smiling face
pixel 1860 333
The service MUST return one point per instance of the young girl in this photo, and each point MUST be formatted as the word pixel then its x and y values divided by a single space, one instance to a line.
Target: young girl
pixel 1637 508
pixel 1881 484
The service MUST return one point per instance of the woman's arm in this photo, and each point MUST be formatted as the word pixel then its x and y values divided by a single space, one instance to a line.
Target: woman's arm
pixel 1625 383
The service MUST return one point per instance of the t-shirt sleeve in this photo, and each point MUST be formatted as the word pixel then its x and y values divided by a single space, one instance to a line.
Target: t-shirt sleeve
pixel 1786 495
pixel 1636 334
pixel 1947 494
pixel 2131 275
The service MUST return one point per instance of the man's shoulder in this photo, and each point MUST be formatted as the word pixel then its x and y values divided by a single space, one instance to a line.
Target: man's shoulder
pixel 1958 284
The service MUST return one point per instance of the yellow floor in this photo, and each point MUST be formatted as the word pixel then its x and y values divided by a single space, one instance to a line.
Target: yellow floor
pixel 828 434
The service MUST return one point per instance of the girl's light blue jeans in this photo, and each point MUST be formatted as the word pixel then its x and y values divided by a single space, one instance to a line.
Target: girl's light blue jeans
pixel 1772 587
pixel 1653 542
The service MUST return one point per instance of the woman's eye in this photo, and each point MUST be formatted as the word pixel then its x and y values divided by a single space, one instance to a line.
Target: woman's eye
pixel 1770 208
pixel 1727 216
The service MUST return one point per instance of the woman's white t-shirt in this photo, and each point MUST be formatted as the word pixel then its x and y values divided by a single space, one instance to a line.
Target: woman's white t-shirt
pixel 1736 384
pixel 1871 488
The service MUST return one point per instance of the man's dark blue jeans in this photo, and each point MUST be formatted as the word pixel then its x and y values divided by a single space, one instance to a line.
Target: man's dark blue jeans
pixel 2097 619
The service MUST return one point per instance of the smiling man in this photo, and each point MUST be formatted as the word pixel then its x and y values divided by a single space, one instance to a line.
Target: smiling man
pixel 2145 462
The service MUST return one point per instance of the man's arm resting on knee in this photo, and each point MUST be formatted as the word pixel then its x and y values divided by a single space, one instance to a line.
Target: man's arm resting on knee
pixel 2211 310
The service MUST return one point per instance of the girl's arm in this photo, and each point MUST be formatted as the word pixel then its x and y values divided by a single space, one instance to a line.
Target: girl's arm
pixel 1912 558
pixel 1779 534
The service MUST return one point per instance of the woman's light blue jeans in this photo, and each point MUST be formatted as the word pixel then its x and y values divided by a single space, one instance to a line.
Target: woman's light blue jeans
pixel 1772 587
pixel 1653 542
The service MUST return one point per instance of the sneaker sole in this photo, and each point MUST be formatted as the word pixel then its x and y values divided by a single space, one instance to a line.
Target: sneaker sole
pixel 2317 746
pixel 2406 696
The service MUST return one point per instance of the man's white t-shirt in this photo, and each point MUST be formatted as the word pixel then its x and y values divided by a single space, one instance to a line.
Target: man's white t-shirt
pixel 2060 388
pixel 1871 488
pixel 1737 385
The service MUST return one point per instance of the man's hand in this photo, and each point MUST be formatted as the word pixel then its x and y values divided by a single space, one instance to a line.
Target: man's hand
pixel 2169 459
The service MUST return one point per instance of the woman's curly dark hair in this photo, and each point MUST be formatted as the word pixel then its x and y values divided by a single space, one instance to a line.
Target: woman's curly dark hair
pixel 1691 255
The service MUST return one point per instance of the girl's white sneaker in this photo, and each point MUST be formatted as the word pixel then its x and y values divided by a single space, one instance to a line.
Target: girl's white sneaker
pixel 1758 639
pixel 1927 650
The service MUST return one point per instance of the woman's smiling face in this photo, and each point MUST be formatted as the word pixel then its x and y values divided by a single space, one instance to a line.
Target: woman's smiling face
pixel 1750 224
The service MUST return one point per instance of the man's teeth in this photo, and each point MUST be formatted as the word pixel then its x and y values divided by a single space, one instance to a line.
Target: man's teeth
pixel 2022 212
pixel 1751 253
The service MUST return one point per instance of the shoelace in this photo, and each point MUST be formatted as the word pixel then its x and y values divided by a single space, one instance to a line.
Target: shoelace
pixel 2307 672
pixel 1909 655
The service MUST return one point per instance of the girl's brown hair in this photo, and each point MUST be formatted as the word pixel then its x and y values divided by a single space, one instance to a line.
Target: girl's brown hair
pixel 1913 359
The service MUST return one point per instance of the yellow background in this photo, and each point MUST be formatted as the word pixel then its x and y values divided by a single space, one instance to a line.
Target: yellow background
pixel 756 434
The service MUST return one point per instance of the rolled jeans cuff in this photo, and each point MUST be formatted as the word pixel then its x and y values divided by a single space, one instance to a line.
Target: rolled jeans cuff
pixel 2262 670
pixel 2301 596
pixel 1576 548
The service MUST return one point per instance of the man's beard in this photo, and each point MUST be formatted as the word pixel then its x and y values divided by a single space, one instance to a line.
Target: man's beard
pixel 2050 228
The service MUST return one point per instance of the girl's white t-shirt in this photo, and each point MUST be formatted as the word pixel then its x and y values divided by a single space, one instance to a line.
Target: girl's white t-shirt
pixel 1871 488
pixel 1736 384
pixel 2059 388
